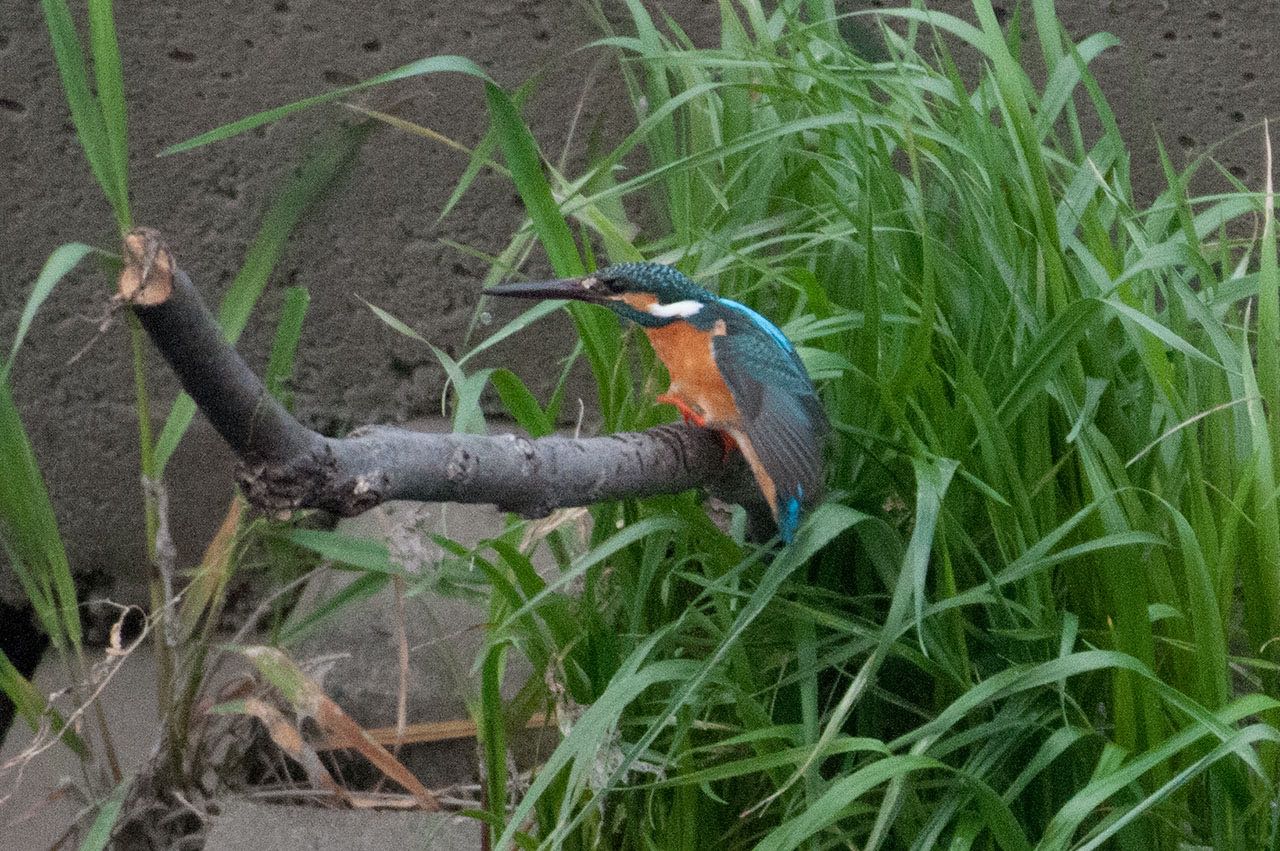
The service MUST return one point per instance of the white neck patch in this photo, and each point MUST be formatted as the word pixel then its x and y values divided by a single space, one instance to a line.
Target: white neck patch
pixel 677 309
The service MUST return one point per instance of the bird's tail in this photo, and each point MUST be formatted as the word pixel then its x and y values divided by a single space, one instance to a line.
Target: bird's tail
pixel 787 515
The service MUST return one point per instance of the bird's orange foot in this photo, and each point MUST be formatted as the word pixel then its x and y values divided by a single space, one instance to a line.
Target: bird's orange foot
pixel 691 416
pixel 687 413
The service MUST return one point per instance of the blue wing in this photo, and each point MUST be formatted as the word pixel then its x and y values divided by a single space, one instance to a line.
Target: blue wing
pixel 782 416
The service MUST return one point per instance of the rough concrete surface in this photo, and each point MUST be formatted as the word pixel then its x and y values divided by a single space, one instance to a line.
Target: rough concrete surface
pixel 244 824
pixel 32 815
pixel 1196 72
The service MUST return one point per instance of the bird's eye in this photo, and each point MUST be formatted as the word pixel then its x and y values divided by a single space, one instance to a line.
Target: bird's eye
pixel 614 285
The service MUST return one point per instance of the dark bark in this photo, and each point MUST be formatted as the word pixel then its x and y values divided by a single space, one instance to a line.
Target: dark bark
pixel 285 465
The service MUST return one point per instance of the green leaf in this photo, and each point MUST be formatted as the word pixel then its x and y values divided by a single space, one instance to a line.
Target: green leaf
pixel 765 762
pixel 430 65
pixel 933 476
pixel 491 730
pixel 481 157
pixel 520 403
pixel 591 734
pixel 515 326
pixel 104 824
pixel 300 627
pixel 1097 792
pixel 828 809
pixel 468 418
pixel 29 533
pixel 1038 365
pixel 1065 78
pixel 109 77
pixel 1159 331
pixel 525 163
pixel 63 259
pixel 32 706
pixel 86 114
pixel 824 524
pixel 395 324
pixel 285 347
pixel 1086 801
pixel 361 553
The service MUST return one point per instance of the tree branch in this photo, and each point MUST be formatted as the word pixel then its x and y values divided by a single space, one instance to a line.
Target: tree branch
pixel 285 465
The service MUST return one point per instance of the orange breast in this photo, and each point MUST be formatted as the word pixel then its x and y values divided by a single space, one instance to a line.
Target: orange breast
pixel 697 382
pixel 686 352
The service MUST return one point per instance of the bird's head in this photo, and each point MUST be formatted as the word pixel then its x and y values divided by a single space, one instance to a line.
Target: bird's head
pixel 649 294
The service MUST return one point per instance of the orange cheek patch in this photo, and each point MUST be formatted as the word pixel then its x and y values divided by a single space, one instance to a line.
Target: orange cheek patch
pixel 639 301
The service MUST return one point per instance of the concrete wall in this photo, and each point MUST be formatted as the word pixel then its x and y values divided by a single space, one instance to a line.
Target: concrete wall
pixel 1196 72
pixel 1199 73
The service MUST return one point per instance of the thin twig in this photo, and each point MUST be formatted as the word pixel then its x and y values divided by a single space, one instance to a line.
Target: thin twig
pixel 166 559
pixel 402 646
pixel 104 324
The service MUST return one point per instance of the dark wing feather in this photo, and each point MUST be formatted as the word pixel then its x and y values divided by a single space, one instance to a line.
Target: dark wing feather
pixel 781 413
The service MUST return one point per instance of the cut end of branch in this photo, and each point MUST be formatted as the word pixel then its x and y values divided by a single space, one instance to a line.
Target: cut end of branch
pixel 147 277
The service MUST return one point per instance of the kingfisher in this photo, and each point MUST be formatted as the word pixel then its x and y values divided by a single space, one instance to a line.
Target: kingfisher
pixel 731 370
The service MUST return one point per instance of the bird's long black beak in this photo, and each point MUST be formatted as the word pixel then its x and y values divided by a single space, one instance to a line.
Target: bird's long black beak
pixel 579 289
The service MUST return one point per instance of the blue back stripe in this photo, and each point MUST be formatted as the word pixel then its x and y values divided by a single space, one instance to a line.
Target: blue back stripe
pixel 762 323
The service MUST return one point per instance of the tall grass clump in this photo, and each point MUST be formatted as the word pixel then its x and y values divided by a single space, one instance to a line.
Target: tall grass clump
pixel 1040 607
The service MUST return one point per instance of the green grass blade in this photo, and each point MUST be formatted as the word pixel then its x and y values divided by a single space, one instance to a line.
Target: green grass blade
pixel 480 158
pixel 396 324
pixel 298 629
pixel 284 349
pixel 360 553
pixel 491 730
pixel 515 326
pixel 468 417
pixel 598 555
pixel 1249 736
pixel 846 790
pixel 1066 78
pixel 104 824
pixel 591 732
pixel 430 65
pixel 1086 801
pixel 86 114
pixel 109 78
pixel 1268 352
pixel 63 259
pixel 525 163
pixel 933 476
pixel 30 534
pixel 1041 361
pixel 599 330
pixel 827 522
pixel 520 403
pixel 1261 569
pixel 31 706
